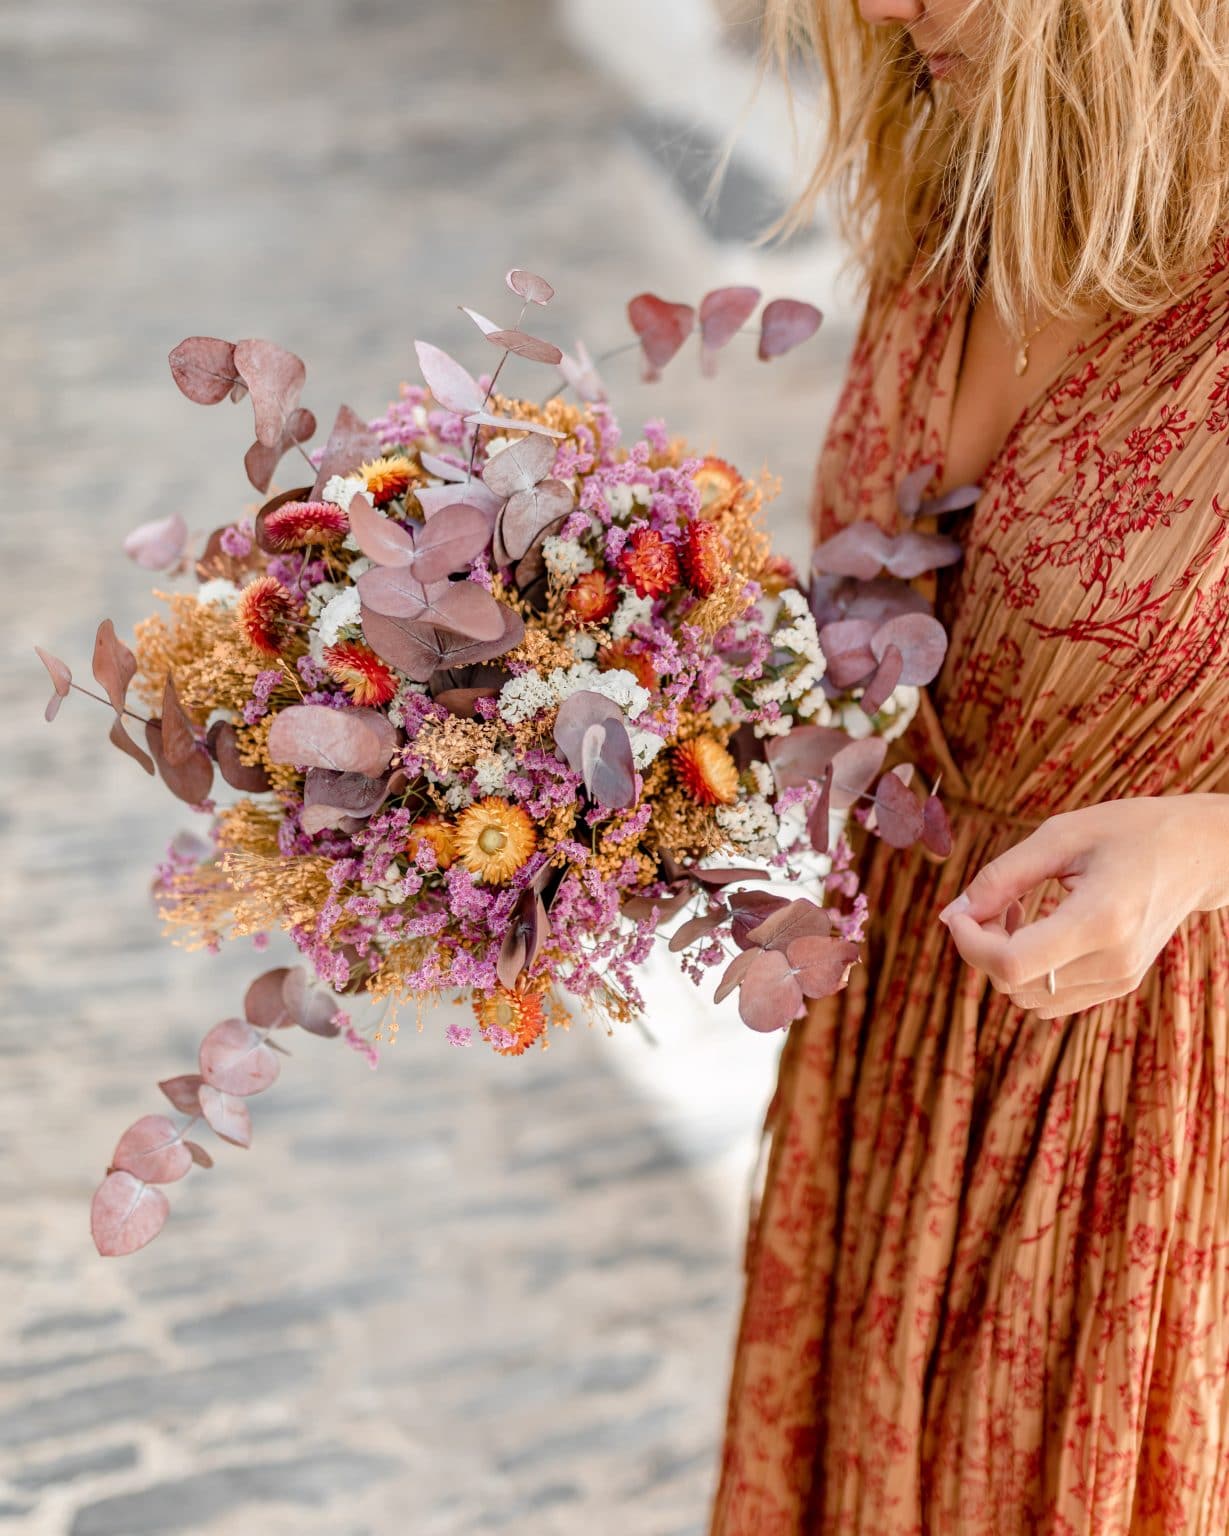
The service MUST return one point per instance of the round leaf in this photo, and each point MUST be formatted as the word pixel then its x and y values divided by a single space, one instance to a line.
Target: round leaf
pixel 379 538
pixel 312 1008
pixel 662 327
pixel 315 736
pixel 785 324
pixel 529 286
pixel 820 964
pixel 454 387
pixel 769 995
pixel 520 465
pixel 263 1003
pixel 158 545
pixel 532 348
pixel 191 780
pixel 854 768
pixel 223 742
pixel 936 829
pixel 921 641
pixel 198 1154
pixel 228 1117
pixel 184 1092
pixel 235 1058
pixel 204 368
pixel 275 379
pixel 61 681
pixel 351 442
pixel 722 314
pixel 450 541
pixel 125 1214
pixel 898 816
pixel 152 1150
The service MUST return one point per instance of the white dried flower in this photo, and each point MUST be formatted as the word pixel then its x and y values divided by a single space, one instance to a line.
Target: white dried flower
pixel 720 712
pixel 219 590
pixel 751 823
pixel 341 612
pixel 645 745
pixel 342 489
pixel 523 696
pixel 631 610
pixel 814 706
pixel 761 773
pixel 490 773
pixel 903 702
pixel 566 559
pixel 583 645
pixel 396 705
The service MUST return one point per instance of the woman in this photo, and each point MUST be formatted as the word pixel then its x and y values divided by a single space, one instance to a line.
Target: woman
pixel 988 1278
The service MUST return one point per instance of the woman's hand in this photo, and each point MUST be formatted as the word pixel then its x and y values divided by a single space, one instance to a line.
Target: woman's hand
pixel 1133 870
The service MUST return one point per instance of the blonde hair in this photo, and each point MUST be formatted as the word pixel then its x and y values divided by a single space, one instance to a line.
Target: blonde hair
pixel 1085 166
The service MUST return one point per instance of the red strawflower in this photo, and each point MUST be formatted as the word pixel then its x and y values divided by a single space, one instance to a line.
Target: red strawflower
pixel 706 558
pixel 369 681
pixel 650 562
pixel 592 597
pixel 298 523
pixel 263 610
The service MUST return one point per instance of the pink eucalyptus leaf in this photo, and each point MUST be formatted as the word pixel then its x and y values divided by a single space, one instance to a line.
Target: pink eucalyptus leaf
pixel 184 1092
pixel 379 538
pixel 921 641
pixel 581 373
pixel 858 550
pixel 125 1214
pixel 434 499
pixel 733 974
pixel 803 754
pixel 120 738
pixel 484 325
pixel 769 995
pixel 794 920
pixel 198 1154
pixel 159 545
pixel 578 712
pixel 234 1058
pixel 519 466
pixel 263 1003
pixel 315 736
pixel 528 285
pixel 606 764
pixel 958 499
pixel 521 344
pixel 820 964
pixel 204 368
pixel 846 645
pixel 750 908
pixel 152 1150
pixel 910 490
pixel 911 553
pixel 419 649
pixel 887 675
pixel 820 816
pixel 786 324
pixel 524 939
pixel 936 828
pixel 275 379
pixel 223 743
pixel 227 1116
pixel 190 780
pixel 351 442
pixel 723 312
pixel 61 681
pixel 261 460
pixel 695 928
pixel 449 542
pixel 529 514
pixel 662 327
pixel 716 878
pixel 452 386
pixel 441 468
pixel 313 1008
pixel 461 701
pixel 179 743
pixel 114 665
pixel 338 800
pixel 898 815
pixel 511 423
pixel 854 770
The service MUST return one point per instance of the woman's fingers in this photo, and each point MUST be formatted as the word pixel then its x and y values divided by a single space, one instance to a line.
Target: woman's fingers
pixel 1065 941
pixel 1045 854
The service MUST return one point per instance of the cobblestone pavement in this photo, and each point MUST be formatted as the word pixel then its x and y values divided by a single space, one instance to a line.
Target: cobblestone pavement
pixel 461 1294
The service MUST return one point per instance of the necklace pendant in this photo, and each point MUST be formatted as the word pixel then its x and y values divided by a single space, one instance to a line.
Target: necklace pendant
pixel 1021 361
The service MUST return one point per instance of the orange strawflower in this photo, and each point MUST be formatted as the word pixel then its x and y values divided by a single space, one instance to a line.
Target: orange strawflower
pixel 718 483
pixel 518 1014
pixel 592 597
pixel 707 771
pixel 621 654
pixel 494 838
pixel 650 562
pixel 436 831
pixel 263 611
pixel 297 523
pixel 706 561
pixel 369 681
pixel 387 478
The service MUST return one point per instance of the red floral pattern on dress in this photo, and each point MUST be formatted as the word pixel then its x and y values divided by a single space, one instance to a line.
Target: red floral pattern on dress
pixel 988 1274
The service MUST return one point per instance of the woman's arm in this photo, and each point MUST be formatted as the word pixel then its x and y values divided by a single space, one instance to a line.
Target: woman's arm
pixel 1133 870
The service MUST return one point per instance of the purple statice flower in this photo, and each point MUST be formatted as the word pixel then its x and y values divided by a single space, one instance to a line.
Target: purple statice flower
pixel 312 673
pixel 260 942
pixel 656 434
pixel 236 541
pixel 499 1037
pixel 287 568
pixel 459 1034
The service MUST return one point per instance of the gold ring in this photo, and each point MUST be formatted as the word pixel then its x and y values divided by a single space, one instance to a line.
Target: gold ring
pixel 1051 984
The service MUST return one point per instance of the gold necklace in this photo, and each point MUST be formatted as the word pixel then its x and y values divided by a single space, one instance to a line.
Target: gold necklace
pixel 1022 353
